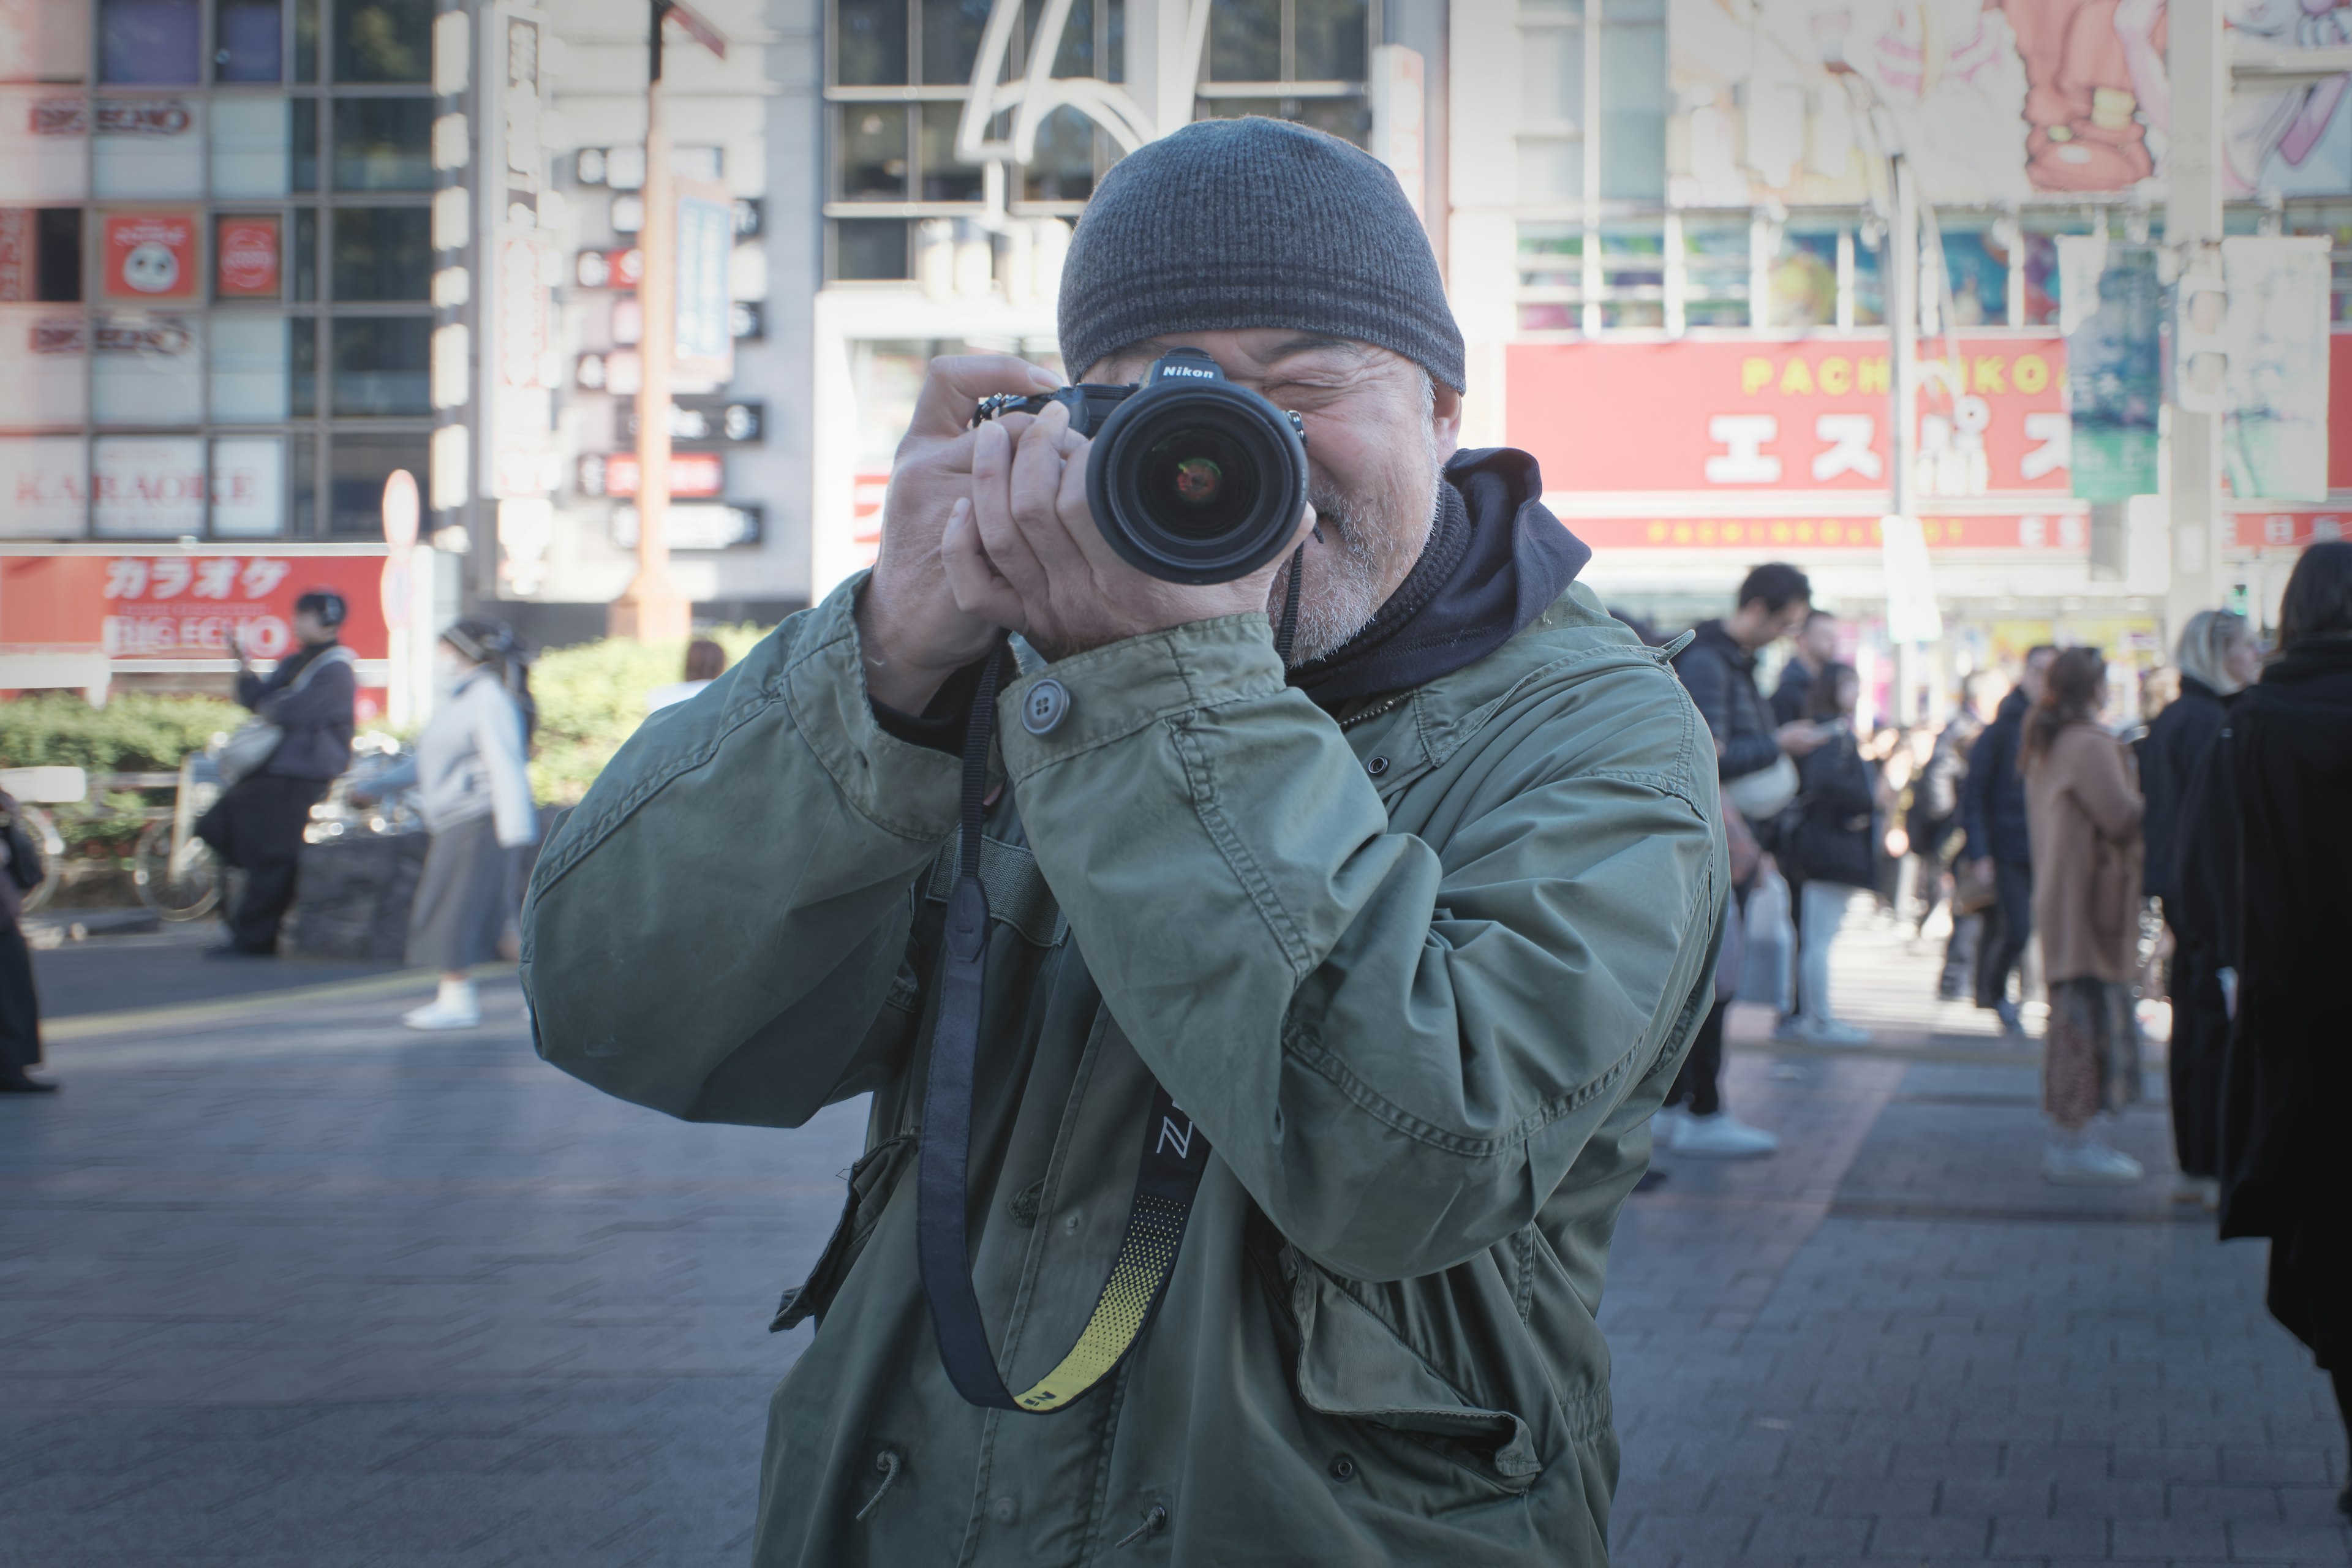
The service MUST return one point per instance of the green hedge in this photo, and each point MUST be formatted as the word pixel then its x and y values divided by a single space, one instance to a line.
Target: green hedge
pixel 134 733
pixel 591 697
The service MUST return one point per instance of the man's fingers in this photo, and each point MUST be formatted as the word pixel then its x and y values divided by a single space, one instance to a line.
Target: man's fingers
pixel 992 464
pixel 979 589
pixel 957 383
pixel 1040 472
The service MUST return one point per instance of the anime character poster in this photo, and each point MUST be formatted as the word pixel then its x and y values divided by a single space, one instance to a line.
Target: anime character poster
pixel 2112 314
pixel 2275 424
pixel 1998 102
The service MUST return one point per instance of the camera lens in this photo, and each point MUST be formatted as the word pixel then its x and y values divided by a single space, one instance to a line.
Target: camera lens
pixel 1197 481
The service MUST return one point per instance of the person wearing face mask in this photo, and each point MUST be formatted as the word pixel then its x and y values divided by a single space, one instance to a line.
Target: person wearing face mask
pixel 256 825
pixel 472 764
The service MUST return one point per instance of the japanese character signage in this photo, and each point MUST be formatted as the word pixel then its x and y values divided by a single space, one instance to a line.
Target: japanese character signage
pixel 1732 419
pixel 150 256
pixel 184 605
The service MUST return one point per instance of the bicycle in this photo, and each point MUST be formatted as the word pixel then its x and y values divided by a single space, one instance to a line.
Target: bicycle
pixel 43 830
pixel 177 874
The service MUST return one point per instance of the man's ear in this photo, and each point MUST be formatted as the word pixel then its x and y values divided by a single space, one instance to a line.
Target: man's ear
pixel 1446 417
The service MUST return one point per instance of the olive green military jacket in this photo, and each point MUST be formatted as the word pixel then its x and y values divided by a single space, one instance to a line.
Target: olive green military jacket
pixel 1420 975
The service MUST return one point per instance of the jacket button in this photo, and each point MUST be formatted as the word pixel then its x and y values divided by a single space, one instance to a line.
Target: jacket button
pixel 1343 1467
pixel 1044 707
pixel 1006 1510
pixel 1376 766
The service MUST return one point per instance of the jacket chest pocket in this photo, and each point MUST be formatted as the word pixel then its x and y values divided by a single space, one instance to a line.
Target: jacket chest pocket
pixel 871 1182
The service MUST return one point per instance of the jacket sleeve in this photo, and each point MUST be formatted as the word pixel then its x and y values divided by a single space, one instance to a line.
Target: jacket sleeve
pixel 327 697
pixel 251 690
pixel 1398 1048
pixel 1976 794
pixel 1709 681
pixel 498 741
pixel 2102 786
pixel 719 929
pixel 2208 846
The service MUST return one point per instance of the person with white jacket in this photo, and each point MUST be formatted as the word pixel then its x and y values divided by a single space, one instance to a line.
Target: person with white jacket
pixel 471 766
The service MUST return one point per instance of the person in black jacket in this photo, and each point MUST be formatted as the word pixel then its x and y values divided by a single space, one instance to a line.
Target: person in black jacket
pixel 20 1005
pixel 1836 829
pixel 1718 669
pixel 1992 809
pixel 1813 650
pixel 257 824
pixel 2218 658
pixel 2264 870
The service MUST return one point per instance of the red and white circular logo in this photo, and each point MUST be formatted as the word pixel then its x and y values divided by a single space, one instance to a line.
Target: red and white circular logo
pixel 247 262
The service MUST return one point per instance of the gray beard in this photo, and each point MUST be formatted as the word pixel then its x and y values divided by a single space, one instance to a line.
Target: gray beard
pixel 1367 559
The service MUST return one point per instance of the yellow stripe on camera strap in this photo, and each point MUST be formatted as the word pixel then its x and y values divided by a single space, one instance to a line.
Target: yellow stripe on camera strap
pixel 1175 1152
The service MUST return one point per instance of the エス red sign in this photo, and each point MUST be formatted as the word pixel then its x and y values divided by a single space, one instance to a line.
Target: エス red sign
pixel 244 264
pixel 150 256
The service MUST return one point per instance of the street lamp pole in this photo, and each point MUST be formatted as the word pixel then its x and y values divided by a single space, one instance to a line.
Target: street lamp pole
pixel 2200 73
pixel 651 608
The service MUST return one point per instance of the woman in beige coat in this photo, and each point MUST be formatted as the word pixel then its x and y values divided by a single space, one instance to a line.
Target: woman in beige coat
pixel 2082 808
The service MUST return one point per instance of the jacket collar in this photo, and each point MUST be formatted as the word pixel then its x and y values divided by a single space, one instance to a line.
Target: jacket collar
pixel 1717 635
pixel 2312 659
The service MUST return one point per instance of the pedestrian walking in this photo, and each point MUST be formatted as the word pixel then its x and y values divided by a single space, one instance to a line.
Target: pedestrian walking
pixel 706 661
pixel 1756 760
pixel 1834 842
pixel 1999 848
pixel 1933 824
pixel 2085 811
pixel 1380 916
pixel 472 771
pixel 20 1004
pixel 2217 658
pixel 2272 822
pixel 256 825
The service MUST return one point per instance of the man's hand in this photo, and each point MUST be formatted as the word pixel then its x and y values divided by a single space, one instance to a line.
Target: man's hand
pixel 1800 739
pixel 1025 554
pixel 912 631
pixel 237 651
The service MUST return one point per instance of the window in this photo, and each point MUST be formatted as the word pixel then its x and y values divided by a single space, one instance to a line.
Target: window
pixel 383 253
pixel 1633 100
pixel 1976 261
pixel 379 364
pixel 869 43
pixel 1716 252
pixel 873 161
pixel 383 40
pixel 358 466
pixel 384 144
pixel 250 41
pixel 870 250
pixel 1290 60
pixel 1802 290
pixel 147 43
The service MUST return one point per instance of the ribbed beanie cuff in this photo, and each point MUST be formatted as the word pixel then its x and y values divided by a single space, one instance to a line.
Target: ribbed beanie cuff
pixel 1233 224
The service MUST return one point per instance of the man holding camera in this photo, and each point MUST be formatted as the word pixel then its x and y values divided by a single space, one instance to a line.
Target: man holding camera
pixel 1261 1047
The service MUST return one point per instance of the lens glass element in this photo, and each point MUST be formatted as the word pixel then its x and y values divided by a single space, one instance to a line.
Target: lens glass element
pixel 1198 482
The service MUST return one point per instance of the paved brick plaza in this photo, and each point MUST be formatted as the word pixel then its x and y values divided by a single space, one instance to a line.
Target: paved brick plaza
pixel 298 1288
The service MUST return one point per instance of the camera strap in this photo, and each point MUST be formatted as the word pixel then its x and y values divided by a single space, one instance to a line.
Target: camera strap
pixel 1175 1152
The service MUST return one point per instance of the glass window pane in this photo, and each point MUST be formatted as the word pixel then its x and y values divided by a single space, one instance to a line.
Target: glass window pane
pixel 1236 107
pixel 383 253
pixel 1332 40
pixel 1979 268
pixel 1804 281
pixel 302 488
pixel 380 365
pixel 1551 169
pixel 1064 169
pixel 306 41
pixel 1714 271
pixel 148 487
pixel 149 371
pixel 1551 67
pixel 302 255
pixel 44 146
pixel 869 248
pixel 249 42
pixel 1349 118
pixel 45 41
pixel 1245 41
pixel 249 488
pixel 384 144
pixel 870 43
pixel 383 40
pixel 874 164
pixel 944 178
pixel 952 31
pixel 48 383
pixel 1551 256
pixel 1633 111
pixel 1074 52
pixel 358 466
pixel 305 144
pixel 249 369
pixel 1869 279
pixel 148 147
pixel 251 150
pixel 48 478
pixel 56 256
pixel 148 42
pixel 302 380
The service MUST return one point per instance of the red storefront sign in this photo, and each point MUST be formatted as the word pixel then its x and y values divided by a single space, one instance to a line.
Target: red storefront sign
pixel 2292 529
pixel 698 474
pixel 182 606
pixel 1733 418
pixel 150 256
pixel 245 264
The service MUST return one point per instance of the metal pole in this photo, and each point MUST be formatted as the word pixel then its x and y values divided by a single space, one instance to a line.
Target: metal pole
pixel 1903 333
pixel 2198 69
pixel 651 609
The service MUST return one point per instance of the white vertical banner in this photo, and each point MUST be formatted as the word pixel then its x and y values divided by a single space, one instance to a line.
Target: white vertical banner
pixel 2276 332
pixel 516 262
pixel 1911 612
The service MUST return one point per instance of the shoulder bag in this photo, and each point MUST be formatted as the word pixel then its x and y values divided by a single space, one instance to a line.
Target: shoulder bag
pixel 249 750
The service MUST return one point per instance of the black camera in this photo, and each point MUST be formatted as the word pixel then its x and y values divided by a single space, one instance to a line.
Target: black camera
pixel 1191 479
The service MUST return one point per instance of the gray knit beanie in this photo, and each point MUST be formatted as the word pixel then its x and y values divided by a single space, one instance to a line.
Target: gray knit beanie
pixel 1254 223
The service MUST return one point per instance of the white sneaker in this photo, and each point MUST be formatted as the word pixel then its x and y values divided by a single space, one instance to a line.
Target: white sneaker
pixel 439 1014
pixel 1829 1032
pixel 1723 1136
pixel 2089 1163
